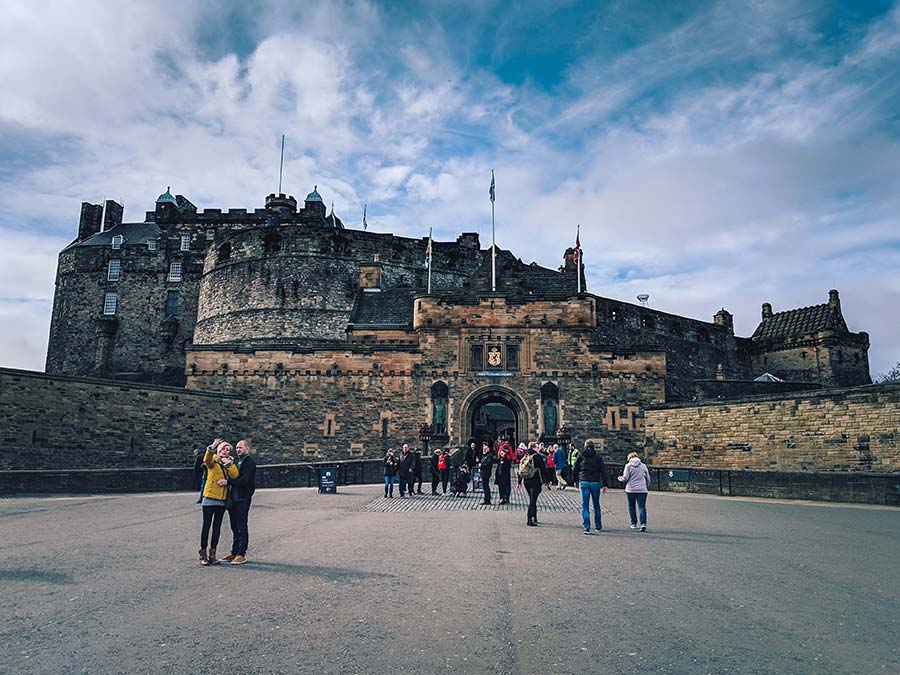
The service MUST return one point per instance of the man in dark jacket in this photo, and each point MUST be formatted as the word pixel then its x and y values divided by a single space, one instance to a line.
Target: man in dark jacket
pixel 486 468
pixel 503 473
pixel 407 471
pixel 590 475
pixel 534 463
pixel 242 489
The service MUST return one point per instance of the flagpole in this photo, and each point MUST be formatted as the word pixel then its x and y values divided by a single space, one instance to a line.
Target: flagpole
pixel 429 261
pixel 281 165
pixel 578 257
pixel 493 240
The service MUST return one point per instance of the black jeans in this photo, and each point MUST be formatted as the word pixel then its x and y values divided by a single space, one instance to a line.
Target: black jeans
pixel 406 483
pixel 212 515
pixel 238 515
pixel 504 488
pixel 534 489
pixel 445 478
pixel 486 486
pixel 418 479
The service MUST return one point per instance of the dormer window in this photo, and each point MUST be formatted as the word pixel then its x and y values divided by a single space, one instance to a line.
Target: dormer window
pixel 114 271
pixel 152 245
pixel 175 271
pixel 117 242
pixel 185 242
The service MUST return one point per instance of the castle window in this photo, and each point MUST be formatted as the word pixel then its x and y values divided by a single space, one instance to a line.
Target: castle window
pixel 185 242
pixel 477 357
pixel 224 252
pixel 614 316
pixel 151 245
pixel 114 271
pixel 648 322
pixel 272 242
pixel 110 303
pixel 384 427
pixel 676 328
pixel 117 242
pixel 171 303
pixel 512 358
pixel 210 235
pixel 175 271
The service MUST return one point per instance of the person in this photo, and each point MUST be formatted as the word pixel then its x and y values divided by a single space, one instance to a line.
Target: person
pixel 219 469
pixel 390 473
pixel 521 451
pixel 573 457
pixel 471 455
pixel 505 446
pixel 559 463
pixel 406 471
pixel 436 471
pixel 502 476
pixel 455 460
pixel 548 457
pixel 590 474
pixel 242 489
pixel 486 469
pixel 199 470
pixel 417 470
pixel 444 468
pixel 461 484
pixel 533 475
pixel 637 483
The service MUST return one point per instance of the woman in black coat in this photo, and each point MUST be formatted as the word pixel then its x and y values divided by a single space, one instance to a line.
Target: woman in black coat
pixel 503 475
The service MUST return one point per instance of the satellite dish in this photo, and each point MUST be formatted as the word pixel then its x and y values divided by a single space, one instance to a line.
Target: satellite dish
pixel 643 298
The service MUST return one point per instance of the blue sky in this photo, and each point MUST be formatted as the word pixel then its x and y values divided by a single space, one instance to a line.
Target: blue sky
pixel 715 153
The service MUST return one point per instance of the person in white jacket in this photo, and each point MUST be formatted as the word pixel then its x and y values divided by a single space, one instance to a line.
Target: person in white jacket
pixel 637 483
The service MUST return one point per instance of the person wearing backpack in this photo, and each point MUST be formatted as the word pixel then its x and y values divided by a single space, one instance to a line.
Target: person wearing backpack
pixel 533 475
pixel 637 483
pixel 590 474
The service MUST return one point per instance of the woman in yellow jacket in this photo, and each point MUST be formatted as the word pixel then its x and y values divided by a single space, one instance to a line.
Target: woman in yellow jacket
pixel 219 468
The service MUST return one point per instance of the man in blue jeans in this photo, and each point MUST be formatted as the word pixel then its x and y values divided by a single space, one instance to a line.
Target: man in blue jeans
pixel 590 475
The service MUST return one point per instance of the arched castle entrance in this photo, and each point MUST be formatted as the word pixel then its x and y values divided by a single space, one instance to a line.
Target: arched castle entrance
pixel 494 411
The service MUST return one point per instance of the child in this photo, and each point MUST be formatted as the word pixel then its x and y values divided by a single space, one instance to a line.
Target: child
pixel 462 481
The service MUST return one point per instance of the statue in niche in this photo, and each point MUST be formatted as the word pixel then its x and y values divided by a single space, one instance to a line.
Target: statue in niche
pixel 439 417
pixel 550 417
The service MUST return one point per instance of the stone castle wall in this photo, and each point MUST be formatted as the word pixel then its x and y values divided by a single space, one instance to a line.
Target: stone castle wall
pixel 833 430
pixel 54 422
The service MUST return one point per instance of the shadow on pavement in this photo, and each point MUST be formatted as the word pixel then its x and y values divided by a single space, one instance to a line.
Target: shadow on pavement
pixel 35 575
pixel 334 573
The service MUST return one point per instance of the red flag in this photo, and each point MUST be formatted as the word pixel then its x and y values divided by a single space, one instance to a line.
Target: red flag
pixel 577 244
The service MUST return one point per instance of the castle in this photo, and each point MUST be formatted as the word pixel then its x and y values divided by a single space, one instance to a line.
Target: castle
pixel 331 336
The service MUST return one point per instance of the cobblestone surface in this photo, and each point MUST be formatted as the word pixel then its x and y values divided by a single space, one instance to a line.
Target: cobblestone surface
pixel 556 501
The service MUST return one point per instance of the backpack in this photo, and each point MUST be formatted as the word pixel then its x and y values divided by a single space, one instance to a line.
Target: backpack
pixel 520 453
pixel 442 462
pixel 527 467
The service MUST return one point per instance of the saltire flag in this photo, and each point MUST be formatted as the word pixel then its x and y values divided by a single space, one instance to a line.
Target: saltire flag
pixel 492 186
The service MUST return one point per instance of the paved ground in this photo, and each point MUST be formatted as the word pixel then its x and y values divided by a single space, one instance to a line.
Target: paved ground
pixel 109 584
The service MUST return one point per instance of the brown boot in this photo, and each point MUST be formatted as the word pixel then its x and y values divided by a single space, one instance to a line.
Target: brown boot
pixel 228 558
pixel 212 557
pixel 203 559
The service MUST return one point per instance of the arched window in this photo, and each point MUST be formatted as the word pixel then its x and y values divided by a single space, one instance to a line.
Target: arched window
pixel 224 252
pixel 550 408
pixel 440 392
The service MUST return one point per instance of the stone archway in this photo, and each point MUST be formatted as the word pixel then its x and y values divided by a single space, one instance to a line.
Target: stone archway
pixel 492 409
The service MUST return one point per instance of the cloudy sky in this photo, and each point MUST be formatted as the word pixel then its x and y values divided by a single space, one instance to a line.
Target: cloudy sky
pixel 715 153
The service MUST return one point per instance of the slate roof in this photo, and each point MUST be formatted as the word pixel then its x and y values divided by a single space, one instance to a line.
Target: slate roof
pixel 134 233
pixel 388 307
pixel 795 323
